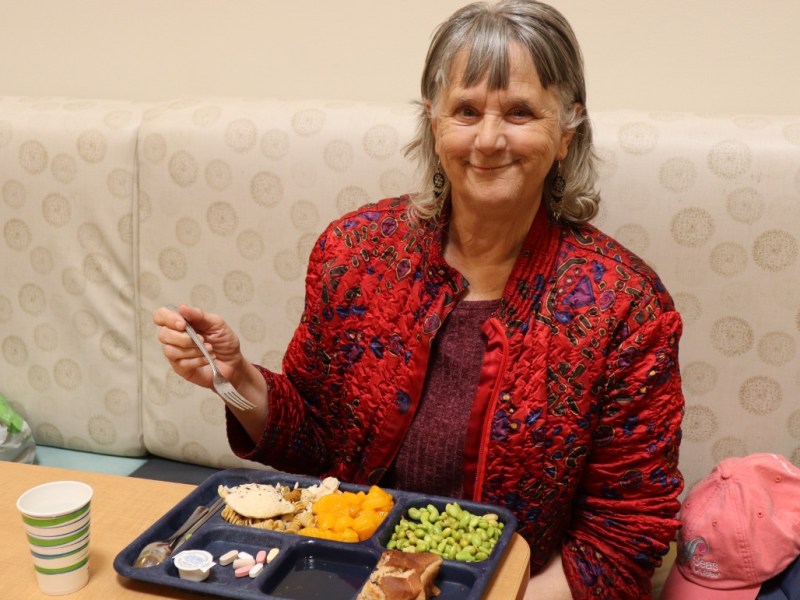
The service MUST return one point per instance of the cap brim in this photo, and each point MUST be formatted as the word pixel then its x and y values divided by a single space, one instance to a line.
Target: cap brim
pixel 677 587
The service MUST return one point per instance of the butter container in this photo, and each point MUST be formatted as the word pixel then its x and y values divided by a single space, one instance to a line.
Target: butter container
pixel 193 565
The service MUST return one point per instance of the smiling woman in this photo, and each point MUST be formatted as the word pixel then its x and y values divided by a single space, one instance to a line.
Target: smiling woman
pixel 478 338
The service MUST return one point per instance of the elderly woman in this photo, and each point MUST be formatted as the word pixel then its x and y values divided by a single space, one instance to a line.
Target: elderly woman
pixel 479 339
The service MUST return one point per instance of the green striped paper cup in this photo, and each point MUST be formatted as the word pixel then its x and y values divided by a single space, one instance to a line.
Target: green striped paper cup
pixel 56 517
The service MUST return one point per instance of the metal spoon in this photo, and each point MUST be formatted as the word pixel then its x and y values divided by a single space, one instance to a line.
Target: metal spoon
pixel 155 553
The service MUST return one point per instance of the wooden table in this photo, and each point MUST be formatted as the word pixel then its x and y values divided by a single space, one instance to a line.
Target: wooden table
pixel 122 508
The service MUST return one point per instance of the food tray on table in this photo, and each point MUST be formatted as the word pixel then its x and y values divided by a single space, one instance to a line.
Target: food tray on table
pixel 305 568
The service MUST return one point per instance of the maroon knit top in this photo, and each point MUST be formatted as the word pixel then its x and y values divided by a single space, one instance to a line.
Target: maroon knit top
pixel 430 460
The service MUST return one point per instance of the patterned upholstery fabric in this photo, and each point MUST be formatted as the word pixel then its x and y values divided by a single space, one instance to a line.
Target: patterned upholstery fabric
pixel 111 209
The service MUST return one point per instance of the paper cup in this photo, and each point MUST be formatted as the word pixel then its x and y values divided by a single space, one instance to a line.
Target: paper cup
pixel 56 516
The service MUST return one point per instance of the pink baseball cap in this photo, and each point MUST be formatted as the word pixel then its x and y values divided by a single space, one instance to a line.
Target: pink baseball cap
pixel 739 527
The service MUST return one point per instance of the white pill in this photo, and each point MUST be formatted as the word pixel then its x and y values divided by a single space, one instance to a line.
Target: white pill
pixel 243 562
pixel 228 557
pixel 255 570
pixel 246 555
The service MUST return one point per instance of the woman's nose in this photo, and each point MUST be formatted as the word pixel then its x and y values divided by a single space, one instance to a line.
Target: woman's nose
pixel 490 136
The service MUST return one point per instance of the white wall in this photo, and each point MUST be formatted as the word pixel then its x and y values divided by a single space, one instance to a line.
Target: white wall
pixel 690 55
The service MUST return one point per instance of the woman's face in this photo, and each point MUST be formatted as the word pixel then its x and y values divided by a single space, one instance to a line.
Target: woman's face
pixel 497 146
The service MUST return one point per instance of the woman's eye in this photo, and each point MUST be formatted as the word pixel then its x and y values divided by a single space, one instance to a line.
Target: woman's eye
pixel 520 113
pixel 467 112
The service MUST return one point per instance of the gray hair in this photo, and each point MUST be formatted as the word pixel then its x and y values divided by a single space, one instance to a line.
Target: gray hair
pixel 486 31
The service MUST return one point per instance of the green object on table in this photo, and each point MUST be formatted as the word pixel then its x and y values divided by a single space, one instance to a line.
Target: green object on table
pixel 9 417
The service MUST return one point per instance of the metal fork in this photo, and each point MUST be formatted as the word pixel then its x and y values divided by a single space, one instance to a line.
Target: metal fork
pixel 222 386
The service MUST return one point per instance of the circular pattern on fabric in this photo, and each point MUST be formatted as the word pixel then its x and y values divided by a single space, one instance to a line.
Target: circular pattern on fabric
pixel 154 148
pixel 56 210
pixel 728 259
pixel 145 206
pixel 350 198
pixel 688 306
pixel 17 234
pixel 14 193
pixel 287 265
pixel 792 133
pixel 41 260
pixel 207 115
pixel 118 402
pixel 305 244
pixel 6 133
pixel 195 454
pixel 6 311
pixel 183 168
pixel 102 430
pixel 39 378
pixel 308 121
pixel 115 346
pixel 33 157
pixel 73 281
pixel 177 386
pixel 732 336
pixel 203 295
pixel 15 351
pixel 84 323
pixel 394 182
pixel 380 142
pixel 793 425
pixel 212 411
pixel 728 446
pixel 221 218
pixel 677 174
pixel 172 263
pixel 266 189
pixel 67 374
pixel 250 244
pixel 47 434
pixel 745 205
pixel 775 250
pixel 700 423
pixel 219 175
pixel 692 227
pixel 120 183
pixel 97 268
pixel 32 299
pixel 272 360
pixel 294 309
pixel 607 163
pixel 760 395
pixel 238 287
pixel 338 155
pixel 777 348
pixel 729 159
pixel 241 135
pixel 167 434
pixel 699 377
pixel 125 228
pixel 638 138
pixel 92 146
pixel 634 237
pixel 252 327
pixel 187 231
pixel 275 144
pixel 45 337
pixel 304 215
pixel 149 286
pixel 64 168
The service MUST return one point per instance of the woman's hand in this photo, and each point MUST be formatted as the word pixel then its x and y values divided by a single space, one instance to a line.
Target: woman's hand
pixel 223 344
pixel 185 358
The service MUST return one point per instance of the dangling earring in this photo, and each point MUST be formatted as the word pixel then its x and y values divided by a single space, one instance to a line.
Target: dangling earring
pixel 557 192
pixel 438 181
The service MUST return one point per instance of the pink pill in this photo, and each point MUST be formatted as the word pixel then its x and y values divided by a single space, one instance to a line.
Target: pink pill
pixel 243 571
pixel 261 557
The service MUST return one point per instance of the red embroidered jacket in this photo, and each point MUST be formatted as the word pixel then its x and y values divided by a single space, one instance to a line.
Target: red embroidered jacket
pixel 576 422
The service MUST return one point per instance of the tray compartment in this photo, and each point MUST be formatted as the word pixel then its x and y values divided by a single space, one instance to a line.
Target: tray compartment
pixel 315 570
